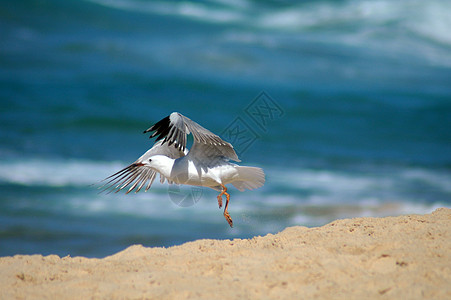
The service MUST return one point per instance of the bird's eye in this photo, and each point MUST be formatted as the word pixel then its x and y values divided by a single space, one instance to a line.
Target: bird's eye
pixel 150 159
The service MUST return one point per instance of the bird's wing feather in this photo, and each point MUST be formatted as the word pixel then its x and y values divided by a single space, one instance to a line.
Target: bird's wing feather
pixel 206 155
pixel 175 127
pixel 139 173
pixel 172 129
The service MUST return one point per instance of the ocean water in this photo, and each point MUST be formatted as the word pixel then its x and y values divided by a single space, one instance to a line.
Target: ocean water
pixel 346 105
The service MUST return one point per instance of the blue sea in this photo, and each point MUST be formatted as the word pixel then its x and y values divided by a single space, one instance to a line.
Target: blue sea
pixel 346 105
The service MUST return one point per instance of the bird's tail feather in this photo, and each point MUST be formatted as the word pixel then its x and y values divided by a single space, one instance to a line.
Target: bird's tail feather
pixel 249 178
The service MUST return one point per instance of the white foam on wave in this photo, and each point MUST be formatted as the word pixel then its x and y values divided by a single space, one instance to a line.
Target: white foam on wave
pixel 431 20
pixel 365 13
pixel 383 26
pixel 415 30
pixel 84 172
pixel 315 182
pixel 56 172
pixel 428 18
pixel 437 179
pixel 296 196
pixel 264 212
pixel 227 13
pixel 384 182
pixel 361 211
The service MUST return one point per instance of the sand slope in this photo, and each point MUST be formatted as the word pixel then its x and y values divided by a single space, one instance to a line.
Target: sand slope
pixel 406 257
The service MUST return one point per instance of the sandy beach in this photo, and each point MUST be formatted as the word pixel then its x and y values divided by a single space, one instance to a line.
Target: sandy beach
pixel 405 257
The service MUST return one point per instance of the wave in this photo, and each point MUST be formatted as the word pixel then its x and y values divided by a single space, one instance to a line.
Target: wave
pixel 207 12
pixel 47 172
pixel 259 214
pixel 423 18
pixel 413 32
pixel 62 188
pixel 284 187
pixel 73 172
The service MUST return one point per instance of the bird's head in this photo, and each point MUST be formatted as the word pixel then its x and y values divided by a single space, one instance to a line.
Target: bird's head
pixel 160 163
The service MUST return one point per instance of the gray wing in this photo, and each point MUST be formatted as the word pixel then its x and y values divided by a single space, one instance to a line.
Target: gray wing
pixel 206 156
pixel 139 173
pixel 176 126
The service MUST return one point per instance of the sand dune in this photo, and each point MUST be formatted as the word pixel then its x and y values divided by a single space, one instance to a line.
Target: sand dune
pixel 406 257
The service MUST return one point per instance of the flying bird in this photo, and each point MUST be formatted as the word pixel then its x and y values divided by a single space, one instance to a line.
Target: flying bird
pixel 206 164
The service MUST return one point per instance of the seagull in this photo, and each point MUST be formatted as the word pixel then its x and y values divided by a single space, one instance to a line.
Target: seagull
pixel 206 164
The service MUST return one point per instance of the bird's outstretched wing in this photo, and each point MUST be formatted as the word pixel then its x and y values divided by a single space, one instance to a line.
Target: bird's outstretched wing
pixel 174 128
pixel 139 173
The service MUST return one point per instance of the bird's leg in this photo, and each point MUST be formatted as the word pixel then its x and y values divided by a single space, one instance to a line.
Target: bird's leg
pixel 220 196
pixel 226 213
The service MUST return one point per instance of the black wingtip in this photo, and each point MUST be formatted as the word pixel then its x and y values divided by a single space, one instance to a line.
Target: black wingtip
pixel 159 127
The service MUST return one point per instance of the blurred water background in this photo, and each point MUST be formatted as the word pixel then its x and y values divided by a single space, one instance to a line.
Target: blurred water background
pixel 354 119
